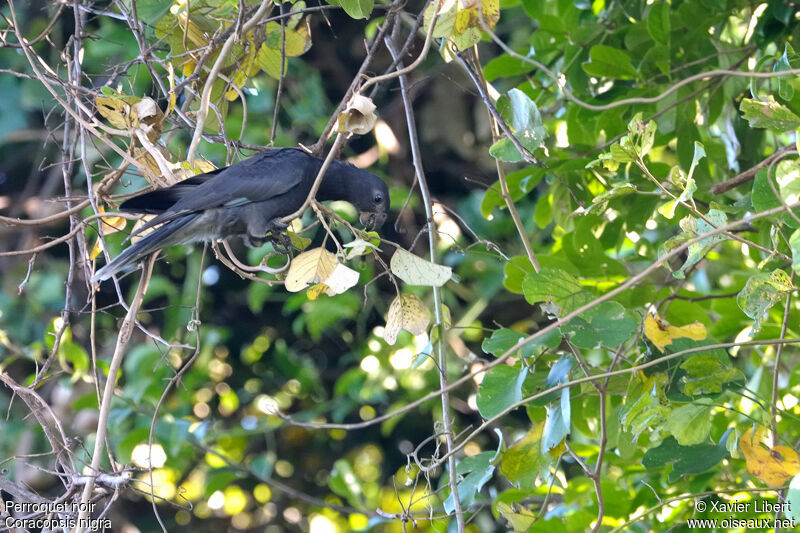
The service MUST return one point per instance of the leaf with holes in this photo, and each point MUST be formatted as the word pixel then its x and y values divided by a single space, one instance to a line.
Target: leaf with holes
pixel 406 312
pixel 761 292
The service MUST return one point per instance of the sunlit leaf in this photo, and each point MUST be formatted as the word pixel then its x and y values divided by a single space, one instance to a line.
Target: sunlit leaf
pixel 661 334
pixel 761 292
pixel 774 465
pixel 769 114
pixel 691 423
pixel 313 266
pixel 417 271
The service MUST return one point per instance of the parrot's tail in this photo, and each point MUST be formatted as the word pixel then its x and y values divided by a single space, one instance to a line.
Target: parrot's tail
pixel 166 235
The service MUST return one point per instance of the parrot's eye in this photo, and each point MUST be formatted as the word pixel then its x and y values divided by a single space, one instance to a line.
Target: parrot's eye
pixel 378 198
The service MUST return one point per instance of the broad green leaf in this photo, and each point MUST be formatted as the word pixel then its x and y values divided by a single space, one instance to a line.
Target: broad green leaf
pixel 520 521
pixel 764 197
pixel 520 183
pixel 690 424
pixel 514 273
pixel 761 292
pixel 794 242
pixel 645 404
pixel 706 374
pixel 503 339
pixel 415 270
pixel 218 480
pixel 526 125
pixel 555 286
pixel 476 471
pixel 608 62
pixel 501 387
pixel 769 114
pixel 151 11
pixel 524 462
pixel 358 9
pixel 658 23
pixel 787 175
pixel 607 324
pixel 686 459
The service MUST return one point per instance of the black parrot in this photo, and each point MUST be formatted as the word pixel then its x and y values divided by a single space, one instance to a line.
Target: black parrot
pixel 246 200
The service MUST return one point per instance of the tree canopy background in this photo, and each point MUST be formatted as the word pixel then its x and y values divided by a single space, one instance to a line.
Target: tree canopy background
pixel 595 328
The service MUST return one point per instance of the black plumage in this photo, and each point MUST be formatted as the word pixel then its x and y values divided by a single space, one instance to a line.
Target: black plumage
pixel 246 200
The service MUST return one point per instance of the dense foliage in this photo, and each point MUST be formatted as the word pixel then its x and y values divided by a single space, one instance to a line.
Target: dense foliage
pixel 580 315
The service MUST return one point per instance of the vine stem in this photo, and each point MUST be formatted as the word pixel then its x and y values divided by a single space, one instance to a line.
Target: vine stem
pixel 437 293
pixel 124 335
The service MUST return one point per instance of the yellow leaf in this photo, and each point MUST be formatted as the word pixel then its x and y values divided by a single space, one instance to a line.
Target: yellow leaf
pixel 313 266
pixel 111 224
pixel 406 312
pixel 661 334
pixel 774 466
pixel 314 291
pixel 97 250
pixel 172 96
pixel 115 110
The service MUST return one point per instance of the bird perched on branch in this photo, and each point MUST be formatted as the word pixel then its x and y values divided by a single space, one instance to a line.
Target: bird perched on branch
pixel 246 200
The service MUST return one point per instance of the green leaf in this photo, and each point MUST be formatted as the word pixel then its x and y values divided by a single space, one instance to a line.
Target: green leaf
pixel 151 11
pixel 218 481
pixel 794 242
pixel 787 174
pixel 345 482
pixel 357 9
pixel 555 286
pixel 785 88
pixel 686 459
pixel 608 62
pixel 691 423
pixel 477 470
pixel 764 198
pixel 524 462
pixel 526 125
pixel 503 339
pixel 520 183
pixel 514 273
pixel 645 404
pixel 658 24
pixel 557 423
pixel 607 324
pixel 501 387
pixel 132 439
pixel 699 153
pixel 761 292
pixel 769 114
pixel 693 227
pixel 706 374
